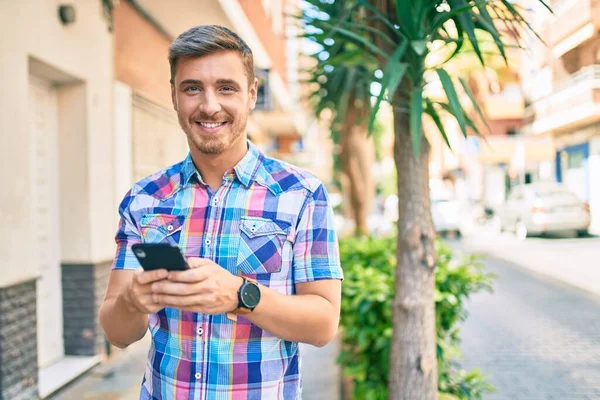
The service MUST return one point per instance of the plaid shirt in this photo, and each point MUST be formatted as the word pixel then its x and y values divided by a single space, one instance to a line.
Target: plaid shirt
pixel 269 221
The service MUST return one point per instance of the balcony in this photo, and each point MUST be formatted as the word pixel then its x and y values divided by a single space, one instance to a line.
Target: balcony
pixel 575 22
pixel 508 104
pixel 574 102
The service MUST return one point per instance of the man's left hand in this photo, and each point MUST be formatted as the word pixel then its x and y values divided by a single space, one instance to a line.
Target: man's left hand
pixel 205 288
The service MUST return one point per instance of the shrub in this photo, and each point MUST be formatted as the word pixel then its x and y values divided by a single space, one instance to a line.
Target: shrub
pixel 366 317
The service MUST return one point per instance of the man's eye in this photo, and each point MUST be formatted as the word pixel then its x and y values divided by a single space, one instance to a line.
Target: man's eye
pixel 192 89
pixel 228 89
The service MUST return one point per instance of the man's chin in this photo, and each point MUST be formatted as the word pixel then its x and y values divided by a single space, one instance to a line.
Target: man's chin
pixel 211 148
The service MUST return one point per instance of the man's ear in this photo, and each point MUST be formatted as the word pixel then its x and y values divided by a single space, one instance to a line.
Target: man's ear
pixel 253 93
pixel 173 97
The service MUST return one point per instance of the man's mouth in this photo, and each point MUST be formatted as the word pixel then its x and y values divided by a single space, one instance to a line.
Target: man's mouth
pixel 210 127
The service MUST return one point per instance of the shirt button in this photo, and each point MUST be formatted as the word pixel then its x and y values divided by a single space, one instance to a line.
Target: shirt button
pixel 170 228
pixel 198 376
pixel 207 241
pixel 215 201
pixel 200 331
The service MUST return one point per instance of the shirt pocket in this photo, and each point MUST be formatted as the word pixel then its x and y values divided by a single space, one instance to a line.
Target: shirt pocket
pixel 157 228
pixel 261 245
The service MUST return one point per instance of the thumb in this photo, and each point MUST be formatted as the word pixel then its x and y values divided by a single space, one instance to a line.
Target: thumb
pixel 195 262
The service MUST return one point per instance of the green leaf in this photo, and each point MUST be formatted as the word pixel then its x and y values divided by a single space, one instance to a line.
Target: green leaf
pixel 464 20
pixel 369 29
pixel 392 76
pixel 485 18
pixel 468 121
pixel 517 15
pixel 353 57
pixel 457 110
pixel 459 43
pixel 474 101
pixel 444 17
pixel 416 113
pixel 404 15
pixel 419 46
pixel 432 112
pixel 356 38
pixel 346 94
pixel 381 17
pixel 546 5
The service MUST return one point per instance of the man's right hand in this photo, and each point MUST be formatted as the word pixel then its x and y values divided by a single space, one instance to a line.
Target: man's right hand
pixel 138 294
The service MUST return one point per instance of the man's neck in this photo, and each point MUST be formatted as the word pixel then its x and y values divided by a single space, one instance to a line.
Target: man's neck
pixel 213 167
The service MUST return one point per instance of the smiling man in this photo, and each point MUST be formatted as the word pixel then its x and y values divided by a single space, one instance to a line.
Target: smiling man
pixel 257 232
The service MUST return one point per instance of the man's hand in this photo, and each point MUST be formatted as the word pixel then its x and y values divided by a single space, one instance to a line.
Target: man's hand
pixel 205 288
pixel 138 294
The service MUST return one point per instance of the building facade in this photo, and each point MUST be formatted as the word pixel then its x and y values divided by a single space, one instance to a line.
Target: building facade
pixel 562 83
pixel 85 111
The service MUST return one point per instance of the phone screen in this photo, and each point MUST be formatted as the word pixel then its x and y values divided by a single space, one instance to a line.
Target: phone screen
pixel 154 256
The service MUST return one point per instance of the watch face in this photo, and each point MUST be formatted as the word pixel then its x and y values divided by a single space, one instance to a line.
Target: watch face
pixel 250 295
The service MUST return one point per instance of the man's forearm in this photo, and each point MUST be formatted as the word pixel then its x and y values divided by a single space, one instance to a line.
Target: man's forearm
pixel 307 318
pixel 121 325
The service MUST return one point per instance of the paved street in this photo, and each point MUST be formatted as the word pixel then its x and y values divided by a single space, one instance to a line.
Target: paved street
pixel 575 261
pixel 536 337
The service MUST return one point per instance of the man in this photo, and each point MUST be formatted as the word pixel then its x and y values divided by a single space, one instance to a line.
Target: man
pixel 257 233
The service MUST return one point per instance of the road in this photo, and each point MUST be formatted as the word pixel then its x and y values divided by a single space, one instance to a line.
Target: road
pixel 575 261
pixel 536 337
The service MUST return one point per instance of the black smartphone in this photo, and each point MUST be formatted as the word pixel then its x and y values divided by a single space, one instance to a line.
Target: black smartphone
pixel 160 256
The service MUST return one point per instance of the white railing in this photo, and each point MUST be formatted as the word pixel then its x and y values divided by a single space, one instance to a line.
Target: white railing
pixel 585 74
pixel 565 103
pixel 590 73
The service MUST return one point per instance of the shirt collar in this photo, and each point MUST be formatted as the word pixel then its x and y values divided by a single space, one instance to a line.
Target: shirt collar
pixel 246 169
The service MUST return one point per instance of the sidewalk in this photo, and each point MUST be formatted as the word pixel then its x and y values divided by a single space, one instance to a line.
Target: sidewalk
pixel 573 261
pixel 120 379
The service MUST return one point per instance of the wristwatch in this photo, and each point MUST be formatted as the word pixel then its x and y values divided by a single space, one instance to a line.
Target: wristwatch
pixel 248 296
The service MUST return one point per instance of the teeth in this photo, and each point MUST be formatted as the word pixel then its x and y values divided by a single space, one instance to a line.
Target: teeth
pixel 211 125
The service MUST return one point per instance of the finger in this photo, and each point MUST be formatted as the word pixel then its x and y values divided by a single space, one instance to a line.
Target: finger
pixel 175 288
pixel 150 306
pixel 177 301
pixel 189 276
pixel 195 262
pixel 145 277
pixel 139 291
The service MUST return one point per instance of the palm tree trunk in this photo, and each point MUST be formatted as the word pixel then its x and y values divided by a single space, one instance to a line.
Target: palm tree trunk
pixel 413 363
pixel 356 164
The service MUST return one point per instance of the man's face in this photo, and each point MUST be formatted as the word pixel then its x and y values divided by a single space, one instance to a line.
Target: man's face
pixel 213 98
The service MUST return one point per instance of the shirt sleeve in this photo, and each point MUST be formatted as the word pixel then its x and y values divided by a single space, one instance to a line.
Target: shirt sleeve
pixel 127 235
pixel 316 251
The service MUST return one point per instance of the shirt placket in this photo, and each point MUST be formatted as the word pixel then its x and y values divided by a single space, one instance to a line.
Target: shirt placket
pixel 209 252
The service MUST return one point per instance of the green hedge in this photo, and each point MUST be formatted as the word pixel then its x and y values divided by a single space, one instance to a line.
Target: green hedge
pixel 366 317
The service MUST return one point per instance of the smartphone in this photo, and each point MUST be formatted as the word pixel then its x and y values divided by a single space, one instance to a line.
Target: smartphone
pixel 154 256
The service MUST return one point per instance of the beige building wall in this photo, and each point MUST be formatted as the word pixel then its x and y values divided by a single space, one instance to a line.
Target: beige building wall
pixel 77 59
pixel 141 55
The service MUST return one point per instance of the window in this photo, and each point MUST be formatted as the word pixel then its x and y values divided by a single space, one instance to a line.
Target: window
pixel 263 101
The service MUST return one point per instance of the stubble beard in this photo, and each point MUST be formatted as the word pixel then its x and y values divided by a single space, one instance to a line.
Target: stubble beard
pixel 219 143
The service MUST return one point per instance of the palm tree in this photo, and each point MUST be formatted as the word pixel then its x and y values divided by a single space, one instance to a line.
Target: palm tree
pixel 342 81
pixel 413 40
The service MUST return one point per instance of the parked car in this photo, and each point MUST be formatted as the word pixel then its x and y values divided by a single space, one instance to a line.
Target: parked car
pixel 540 208
pixel 446 214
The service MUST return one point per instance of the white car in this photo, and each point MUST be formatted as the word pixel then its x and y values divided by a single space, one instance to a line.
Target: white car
pixel 539 208
pixel 447 216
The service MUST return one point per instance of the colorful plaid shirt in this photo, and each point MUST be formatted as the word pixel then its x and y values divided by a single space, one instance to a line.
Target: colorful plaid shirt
pixel 269 221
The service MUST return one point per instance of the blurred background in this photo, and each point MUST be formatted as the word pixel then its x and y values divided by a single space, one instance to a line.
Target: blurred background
pixel 85 111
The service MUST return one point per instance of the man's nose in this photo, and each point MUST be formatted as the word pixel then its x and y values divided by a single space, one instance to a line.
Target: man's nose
pixel 210 104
